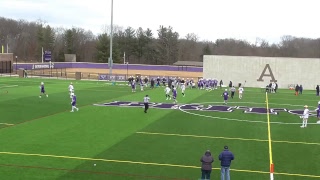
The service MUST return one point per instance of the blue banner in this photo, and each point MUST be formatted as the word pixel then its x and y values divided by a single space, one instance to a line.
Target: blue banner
pixel 47 56
pixel 112 77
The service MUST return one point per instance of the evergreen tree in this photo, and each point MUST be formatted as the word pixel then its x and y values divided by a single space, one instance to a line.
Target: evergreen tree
pixel 168 45
pixel 60 57
pixel 130 46
pixel 149 51
pixel 103 49
pixel 49 38
pixel 68 41
pixel 40 42
pixel 141 43
pixel 207 50
pixel 116 54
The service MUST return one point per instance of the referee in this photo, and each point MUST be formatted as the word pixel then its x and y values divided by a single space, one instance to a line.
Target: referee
pixel 146 103
pixel 233 90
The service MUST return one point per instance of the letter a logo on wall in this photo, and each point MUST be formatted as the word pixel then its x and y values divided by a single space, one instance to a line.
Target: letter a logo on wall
pixel 269 75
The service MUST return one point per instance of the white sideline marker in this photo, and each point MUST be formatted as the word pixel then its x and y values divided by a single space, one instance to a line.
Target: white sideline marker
pixel 7 124
pixel 8 86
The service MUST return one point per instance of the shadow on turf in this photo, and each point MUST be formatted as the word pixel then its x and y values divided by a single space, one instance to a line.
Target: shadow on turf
pixel 90 172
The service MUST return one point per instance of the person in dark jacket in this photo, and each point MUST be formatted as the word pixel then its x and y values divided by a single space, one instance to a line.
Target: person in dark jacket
pixel 221 83
pixel 152 83
pixel 225 157
pixel 317 90
pixel 230 84
pixel 296 90
pixel 267 89
pixel 206 166
pixel 300 89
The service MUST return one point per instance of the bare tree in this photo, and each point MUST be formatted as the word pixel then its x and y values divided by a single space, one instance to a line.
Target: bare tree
pixel 26 39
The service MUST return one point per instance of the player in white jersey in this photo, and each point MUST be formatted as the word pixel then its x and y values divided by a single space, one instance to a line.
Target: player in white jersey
pixel 183 87
pixel 305 117
pixel 146 81
pixel 318 112
pixel 240 90
pixel 141 85
pixel 71 89
pixel 273 87
pixel 167 90
pixel 192 84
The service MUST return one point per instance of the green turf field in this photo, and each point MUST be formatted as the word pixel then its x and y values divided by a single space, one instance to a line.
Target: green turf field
pixel 41 139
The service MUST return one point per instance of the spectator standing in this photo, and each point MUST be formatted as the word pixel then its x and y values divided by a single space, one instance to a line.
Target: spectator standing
pixel 226 157
pixel 296 90
pixel 206 166
pixel 300 89
pixel 230 84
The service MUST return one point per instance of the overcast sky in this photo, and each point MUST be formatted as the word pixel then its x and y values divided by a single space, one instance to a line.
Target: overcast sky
pixel 209 19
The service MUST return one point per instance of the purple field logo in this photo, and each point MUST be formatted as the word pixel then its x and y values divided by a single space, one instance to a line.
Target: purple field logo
pixel 201 107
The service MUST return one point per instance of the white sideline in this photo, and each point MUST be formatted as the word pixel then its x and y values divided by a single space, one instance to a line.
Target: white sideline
pixel 8 86
pixel 7 124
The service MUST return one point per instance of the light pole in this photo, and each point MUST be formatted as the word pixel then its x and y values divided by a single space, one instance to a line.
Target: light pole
pixel 127 68
pixel 124 58
pixel 111 35
pixel 16 64
pixel 7 45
